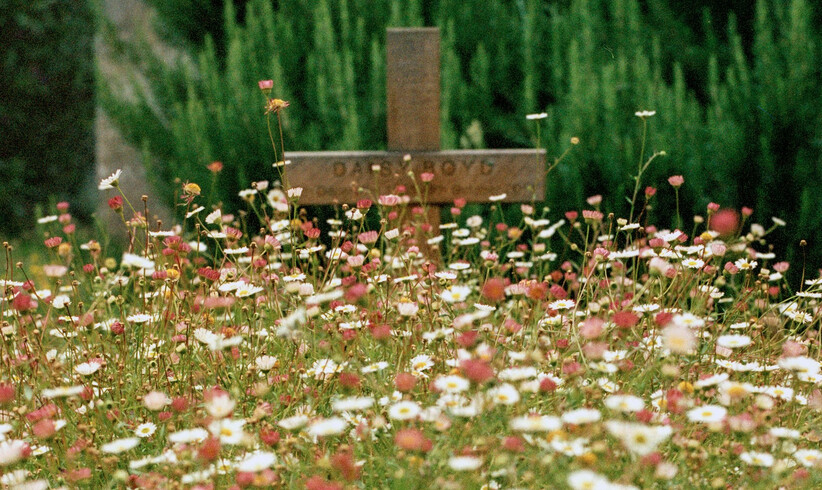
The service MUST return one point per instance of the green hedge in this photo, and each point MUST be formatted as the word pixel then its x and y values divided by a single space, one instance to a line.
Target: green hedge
pixel 739 119
pixel 46 107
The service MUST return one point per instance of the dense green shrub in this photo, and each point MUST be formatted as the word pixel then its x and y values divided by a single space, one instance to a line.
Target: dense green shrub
pixel 46 107
pixel 738 118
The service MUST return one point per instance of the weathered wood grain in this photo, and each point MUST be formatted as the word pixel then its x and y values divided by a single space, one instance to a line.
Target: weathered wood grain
pixel 413 88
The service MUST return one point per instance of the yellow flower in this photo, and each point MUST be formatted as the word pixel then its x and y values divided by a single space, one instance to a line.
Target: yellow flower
pixel 191 189
pixel 274 105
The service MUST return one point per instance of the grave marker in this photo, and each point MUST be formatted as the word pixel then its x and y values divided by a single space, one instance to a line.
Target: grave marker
pixel 413 100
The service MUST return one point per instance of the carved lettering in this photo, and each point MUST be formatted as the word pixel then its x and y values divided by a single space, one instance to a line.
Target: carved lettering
pixel 471 174
pixel 448 167
pixel 467 164
pixel 339 169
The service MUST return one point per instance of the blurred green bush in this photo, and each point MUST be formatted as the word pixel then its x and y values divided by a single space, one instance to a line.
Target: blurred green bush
pixel 738 117
pixel 46 107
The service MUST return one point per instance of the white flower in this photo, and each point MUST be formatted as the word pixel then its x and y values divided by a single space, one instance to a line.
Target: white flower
pixel 745 264
pixel 808 457
pixel 62 391
pixel 247 290
pixel 678 339
pixel 640 439
pixel 228 430
pixel 562 304
pixel 692 263
pixel 139 318
pixel 257 461
pixel 145 430
pixel 87 368
pixel 111 181
pixel 541 115
pixel 624 403
pixel 474 221
pixel 188 436
pixel 352 403
pixel 733 341
pixel 644 114
pixel 265 363
pixel 587 480
pixel 324 369
pixel 800 364
pixel 535 423
pixel 216 341
pixel 581 416
pixel 784 433
pixel 782 392
pixel 464 463
pixel 452 383
pixel 327 427
pixel 455 294
pixel 120 445
pixel 498 197
pixel 517 373
pixel 48 219
pixel 294 422
pixel 757 459
pixel 711 380
pixel 374 367
pixel 504 394
pixel 404 410
pixel 12 451
pixel 407 308
pixel 707 414
pixel 220 405
pixel 421 362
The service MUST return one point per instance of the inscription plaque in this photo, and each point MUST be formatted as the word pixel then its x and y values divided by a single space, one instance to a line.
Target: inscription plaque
pixel 475 175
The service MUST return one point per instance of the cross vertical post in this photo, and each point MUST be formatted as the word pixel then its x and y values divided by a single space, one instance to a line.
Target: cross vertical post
pixel 413 97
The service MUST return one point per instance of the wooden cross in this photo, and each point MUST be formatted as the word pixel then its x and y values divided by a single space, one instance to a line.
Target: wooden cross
pixel 413 86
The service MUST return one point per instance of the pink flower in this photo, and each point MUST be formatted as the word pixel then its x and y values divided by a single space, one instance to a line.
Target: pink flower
pixel 718 249
pixel 368 236
pixel 731 268
pixel 676 180
pixel 389 200
pixel 266 85
pixel 594 200
pixel 426 176
pixel 591 328
pixel 156 400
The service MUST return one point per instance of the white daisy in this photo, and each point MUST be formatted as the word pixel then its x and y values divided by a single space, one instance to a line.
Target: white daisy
pixel 581 416
pixel 754 458
pixel 120 445
pixel 404 410
pixel 145 429
pixel 464 463
pixel 111 181
pixel 707 414
pixel 327 427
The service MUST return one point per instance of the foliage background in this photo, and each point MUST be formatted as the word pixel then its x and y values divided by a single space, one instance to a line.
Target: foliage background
pixel 735 86
pixel 46 108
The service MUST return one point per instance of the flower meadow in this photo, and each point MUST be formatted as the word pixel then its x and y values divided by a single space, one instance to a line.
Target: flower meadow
pixel 268 349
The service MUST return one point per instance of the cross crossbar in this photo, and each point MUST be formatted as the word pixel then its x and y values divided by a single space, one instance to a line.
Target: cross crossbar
pixel 413 97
